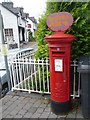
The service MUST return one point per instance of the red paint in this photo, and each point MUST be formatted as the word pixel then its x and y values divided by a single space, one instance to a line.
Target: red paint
pixel 60 21
pixel 59 48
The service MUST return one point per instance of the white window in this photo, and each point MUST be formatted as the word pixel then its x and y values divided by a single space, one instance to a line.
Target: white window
pixel 9 35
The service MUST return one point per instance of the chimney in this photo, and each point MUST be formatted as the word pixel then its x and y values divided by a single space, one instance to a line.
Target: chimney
pixel 27 15
pixel 8 4
pixel 21 9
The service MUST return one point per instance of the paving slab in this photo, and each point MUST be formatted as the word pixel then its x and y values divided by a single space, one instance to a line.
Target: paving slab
pixel 9 116
pixel 28 115
pixel 35 115
pixel 52 115
pixel 32 110
pixel 39 110
pixel 27 106
pixel 79 113
pixel 13 113
pixel 22 112
pixel 44 115
pixel 72 115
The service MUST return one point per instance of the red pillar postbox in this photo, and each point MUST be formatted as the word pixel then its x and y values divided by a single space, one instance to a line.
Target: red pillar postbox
pixel 59 50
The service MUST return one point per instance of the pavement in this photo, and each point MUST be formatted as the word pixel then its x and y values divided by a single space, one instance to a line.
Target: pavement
pixel 32 105
pixel 29 44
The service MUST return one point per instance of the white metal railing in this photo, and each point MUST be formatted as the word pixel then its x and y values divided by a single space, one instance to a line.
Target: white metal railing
pixel 30 75
pixel 33 76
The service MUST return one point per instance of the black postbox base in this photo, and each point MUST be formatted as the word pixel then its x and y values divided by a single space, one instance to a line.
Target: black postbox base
pixel 60 107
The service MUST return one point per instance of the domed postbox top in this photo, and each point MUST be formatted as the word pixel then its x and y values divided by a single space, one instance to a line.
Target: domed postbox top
pixel 60 37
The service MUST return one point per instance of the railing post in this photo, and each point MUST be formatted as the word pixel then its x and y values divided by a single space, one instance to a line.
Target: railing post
pixel 74 92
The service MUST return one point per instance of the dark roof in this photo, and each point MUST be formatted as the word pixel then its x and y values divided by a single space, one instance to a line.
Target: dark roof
pixel 8 4
pixel 15 10
pixel 33 19
pixel 9 9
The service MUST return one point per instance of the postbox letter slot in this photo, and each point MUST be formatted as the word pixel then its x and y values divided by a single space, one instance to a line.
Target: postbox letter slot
pixel 58 52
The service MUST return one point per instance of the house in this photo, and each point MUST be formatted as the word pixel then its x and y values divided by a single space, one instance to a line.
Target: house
pixel 31 26
pixel 16 24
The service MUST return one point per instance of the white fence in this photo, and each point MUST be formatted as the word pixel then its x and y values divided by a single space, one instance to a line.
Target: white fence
pixel 33 76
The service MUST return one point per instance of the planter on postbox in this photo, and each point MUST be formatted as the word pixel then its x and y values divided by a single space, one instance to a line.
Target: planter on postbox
pixel 59 52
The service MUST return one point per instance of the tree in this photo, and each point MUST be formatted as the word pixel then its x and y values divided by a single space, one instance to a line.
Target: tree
pixel 80 28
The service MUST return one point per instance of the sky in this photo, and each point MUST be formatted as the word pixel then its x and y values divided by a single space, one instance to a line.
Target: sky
pixel 34 7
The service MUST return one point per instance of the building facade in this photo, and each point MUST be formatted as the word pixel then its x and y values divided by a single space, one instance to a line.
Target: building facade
pixel 17 24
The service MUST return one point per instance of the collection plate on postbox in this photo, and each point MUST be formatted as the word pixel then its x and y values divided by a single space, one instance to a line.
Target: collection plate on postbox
pixel 58 65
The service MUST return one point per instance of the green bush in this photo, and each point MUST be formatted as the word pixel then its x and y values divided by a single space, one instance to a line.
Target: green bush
pixel 80 28
pixel 42 52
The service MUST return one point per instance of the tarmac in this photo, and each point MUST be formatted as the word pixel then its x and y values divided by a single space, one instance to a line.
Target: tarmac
pixel 25 105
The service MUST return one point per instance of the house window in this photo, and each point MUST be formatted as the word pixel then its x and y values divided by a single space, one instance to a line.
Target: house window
pixel 29 26
pixel 8 35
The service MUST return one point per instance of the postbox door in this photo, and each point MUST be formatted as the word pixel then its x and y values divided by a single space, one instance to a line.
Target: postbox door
pixel 59 78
